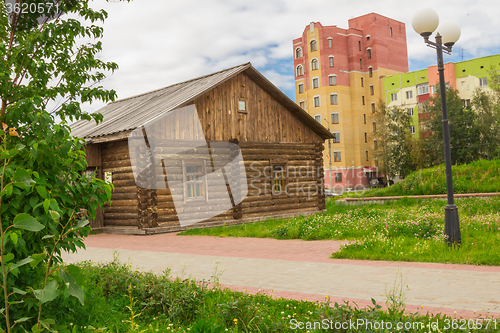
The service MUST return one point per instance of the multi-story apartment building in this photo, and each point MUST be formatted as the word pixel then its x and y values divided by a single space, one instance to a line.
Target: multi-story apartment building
pixel 339 80
pixel 411 90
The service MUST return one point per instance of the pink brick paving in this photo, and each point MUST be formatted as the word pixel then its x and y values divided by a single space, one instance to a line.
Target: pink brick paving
pixel 282 250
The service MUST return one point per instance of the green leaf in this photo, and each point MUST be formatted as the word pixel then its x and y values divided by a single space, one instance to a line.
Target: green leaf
pixel 8 257
pixel 47 236
pixel 22 178
pixel 42 191
pixel 20 320
pixel 55 216
pixel 48 293
pixel 19 291
pixel 21 263
pixel 46 205
pixel 71 275
pixel 81 224
pixel 14 236
pixel 27 222
pixel 20 146
pixel 7 191
pixel 37 258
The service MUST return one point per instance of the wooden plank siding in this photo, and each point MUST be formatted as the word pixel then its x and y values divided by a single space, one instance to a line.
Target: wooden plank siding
pixel 267 133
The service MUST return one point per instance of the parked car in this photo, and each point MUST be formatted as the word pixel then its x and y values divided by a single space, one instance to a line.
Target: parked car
pixel 380 182
pixel 330 194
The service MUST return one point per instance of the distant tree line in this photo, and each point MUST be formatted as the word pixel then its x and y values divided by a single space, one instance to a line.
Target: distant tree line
pixel 474 132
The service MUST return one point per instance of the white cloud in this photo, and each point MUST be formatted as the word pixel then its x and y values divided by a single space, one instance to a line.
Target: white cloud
pixel 157 43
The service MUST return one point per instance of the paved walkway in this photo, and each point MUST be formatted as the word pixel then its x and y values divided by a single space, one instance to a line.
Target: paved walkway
pixel 302 270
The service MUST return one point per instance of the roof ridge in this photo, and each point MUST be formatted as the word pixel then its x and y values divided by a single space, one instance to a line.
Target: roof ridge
pixel 183 82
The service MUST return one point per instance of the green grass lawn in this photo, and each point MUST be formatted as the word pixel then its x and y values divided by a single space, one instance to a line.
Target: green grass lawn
pixel 477 177
pixel 407 230
pixel 120 300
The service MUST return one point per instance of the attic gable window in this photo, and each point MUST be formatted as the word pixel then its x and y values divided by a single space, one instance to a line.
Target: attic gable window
pixel 242 105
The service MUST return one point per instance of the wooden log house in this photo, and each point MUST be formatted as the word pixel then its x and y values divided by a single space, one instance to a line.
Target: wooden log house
pixel 281 144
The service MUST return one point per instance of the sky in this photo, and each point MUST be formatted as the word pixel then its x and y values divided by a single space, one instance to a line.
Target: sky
pixel 157 43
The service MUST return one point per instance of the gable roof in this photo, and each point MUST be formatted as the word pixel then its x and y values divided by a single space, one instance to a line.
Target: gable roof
pixel 127 114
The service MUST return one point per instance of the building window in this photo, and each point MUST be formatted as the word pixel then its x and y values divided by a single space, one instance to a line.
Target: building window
pixel 394 97
pixel 434 89
pixel 336 156
pixel 360 63
pixel 194 180
pixel 315 83
pixel 336 137
pixel 302 105
pixel 335 118
pixel 318 118
pixel 369 53
pixel 410 112
pixel 298 53
pixel 364 118
pixel 333 99
pixel 242 105
pixel 375 144
pixel 362 85
pixel 338 177
pixel 366 153
pixel 390 31
pixel 363 99
pixel 372 90
pixel 366 137
pixel 374 126
pixel 409 94
pixel 314 64
pixel 466 102
pixel 279 179
pixel 412 129
pixel 330 42
pixel 300 70
pixel 332 79
pixel 370 71
pixel 373 106
pixel 359 45
pixel 314 46
pixel 423 89
pixel 301 88
pixel 331 60
pixel 316 101
pixel 483 82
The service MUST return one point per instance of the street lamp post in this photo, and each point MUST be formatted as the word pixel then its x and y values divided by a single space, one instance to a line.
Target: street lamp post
pixel 425 22
pixel 330 155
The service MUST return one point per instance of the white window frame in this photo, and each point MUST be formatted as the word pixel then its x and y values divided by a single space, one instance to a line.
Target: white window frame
pixel 302 104
pixel 412 129
pixel 315 43
pixel 317 98
pixel 331 61
pixel 332 118
pixel 336 137
pixel 315 79
pixel 317 116
pixel 409 94
pixel 299 70
pixel 316 62
pixel 369 52
pixel 334 77
pixel 298 52
pixel 394 97
pixel 337 156
pixel 334 99
pixel 301 88
pixel 422 89
pixel 373 106
pixel 410 112
pixel 483 82
pixel 330 42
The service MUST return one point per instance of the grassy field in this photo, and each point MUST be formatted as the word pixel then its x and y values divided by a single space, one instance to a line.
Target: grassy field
pixel 407 230
pixel 120 300
pixel 477 177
